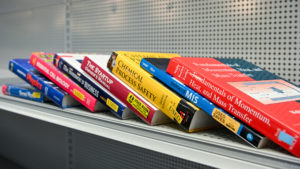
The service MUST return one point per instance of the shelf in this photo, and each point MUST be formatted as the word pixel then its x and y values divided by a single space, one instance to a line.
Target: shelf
pixel 216 147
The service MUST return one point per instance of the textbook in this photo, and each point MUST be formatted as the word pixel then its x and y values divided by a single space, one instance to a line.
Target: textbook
pixel 43 62
pixel 23 69
pixel 157 67
pixel 23 90
pixel 96 68
pixel 260 99
pixel 70 64
pixel 126 66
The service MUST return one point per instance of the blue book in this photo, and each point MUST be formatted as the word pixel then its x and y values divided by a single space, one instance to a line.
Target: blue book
pixel 23 90
pixel 158 66
pixel 27 72
pixel 70 64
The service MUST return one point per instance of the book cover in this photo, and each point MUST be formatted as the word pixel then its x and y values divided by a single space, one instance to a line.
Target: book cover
pixel 95 66
pixel 257 97
pixel 157 67
pixel 43 62
pixel 126 66
pixel 23 90
pixel 23 69
pixel 70 64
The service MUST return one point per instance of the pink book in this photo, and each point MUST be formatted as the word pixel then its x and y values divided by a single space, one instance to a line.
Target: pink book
pixel 43 62
pixel 95 66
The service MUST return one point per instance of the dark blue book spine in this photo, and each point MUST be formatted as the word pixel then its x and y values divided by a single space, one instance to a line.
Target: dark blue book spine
pixel 38 81
pixel 252 137
pixel 23 92
pixel 93 88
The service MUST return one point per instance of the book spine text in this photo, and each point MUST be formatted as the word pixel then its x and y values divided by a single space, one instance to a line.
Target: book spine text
pixel 233 104
pixel 62 81
pixel 168 102
pixel 133 101
pixel 20 92
pixel 106 99
pixel 246 133
pixel 37 82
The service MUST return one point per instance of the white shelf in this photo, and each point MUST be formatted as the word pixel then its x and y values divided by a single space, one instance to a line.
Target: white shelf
pixel 217 147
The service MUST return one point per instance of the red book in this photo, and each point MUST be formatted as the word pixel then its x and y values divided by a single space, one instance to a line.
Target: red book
pixel 95 66
pixel 44 63
pixel 264 101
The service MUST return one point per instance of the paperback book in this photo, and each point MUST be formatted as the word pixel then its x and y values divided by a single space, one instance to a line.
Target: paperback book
pixel 126 66
pixel 157 67
pixel 257 97
pixel 70 64
pixel 43 62
pixel 95 66
pixel 23 69
pixel 23 90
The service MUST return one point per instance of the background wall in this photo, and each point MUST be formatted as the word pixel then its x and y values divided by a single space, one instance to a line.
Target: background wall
pixel 30 25
pixel 266 32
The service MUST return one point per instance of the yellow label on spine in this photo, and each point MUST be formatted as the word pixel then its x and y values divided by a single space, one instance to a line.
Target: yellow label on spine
pixel 177 117
pixel 138 105
pixel 171 107
pixel 78 94
pixel 36 95
pixel 112 105
pixel 11 66
pixel 137 56
pixel 226 120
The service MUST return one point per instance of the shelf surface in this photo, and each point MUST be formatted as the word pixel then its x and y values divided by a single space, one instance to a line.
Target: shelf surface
pixel 216 147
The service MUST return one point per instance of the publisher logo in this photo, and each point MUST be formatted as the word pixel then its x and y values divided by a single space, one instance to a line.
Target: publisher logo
pixel 249 137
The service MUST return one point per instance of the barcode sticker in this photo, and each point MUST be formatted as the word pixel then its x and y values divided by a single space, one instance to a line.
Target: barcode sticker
pixel 78 94
pixel 138 105
pixel 226 120
pixel 36 95
pixel 112 105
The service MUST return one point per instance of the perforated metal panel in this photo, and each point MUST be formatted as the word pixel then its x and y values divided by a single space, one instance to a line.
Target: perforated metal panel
pixel 32 143
pixel 92 152
pixel 266 33
pixel 39 28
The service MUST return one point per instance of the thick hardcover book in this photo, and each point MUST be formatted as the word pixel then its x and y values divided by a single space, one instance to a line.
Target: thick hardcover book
pixel 257 97
pixel 43 62
pixel 31 75
pixel 96 68
pixel 157 67
pixel 70 64
pixel 126 66
pixel 23 90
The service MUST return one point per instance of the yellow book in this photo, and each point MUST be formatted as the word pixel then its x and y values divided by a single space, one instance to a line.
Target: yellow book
pixel 126 66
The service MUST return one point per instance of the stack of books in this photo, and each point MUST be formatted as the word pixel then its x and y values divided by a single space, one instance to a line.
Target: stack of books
pixel 158 88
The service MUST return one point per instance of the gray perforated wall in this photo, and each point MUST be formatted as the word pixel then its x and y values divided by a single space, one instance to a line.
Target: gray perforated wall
pixel 31 25
pixel 92 152
pixel 266 33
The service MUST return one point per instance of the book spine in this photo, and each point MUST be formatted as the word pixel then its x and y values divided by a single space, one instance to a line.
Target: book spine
pixel 62 81
pixel 250 136
pixel 121 91
pixel 141 81
pixel 231 103
pixel 38 83
pixel 114 106
pixel 25 93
